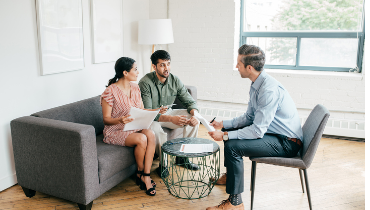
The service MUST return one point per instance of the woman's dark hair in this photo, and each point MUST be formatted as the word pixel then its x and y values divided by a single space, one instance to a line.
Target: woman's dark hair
pixel 252 55
pixel 160 54
pixel 122 64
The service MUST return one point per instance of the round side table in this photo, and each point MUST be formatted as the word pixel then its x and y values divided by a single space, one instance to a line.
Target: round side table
pixel 183 182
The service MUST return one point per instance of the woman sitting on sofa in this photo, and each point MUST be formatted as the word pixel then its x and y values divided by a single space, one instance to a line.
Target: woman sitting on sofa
pixel 120 95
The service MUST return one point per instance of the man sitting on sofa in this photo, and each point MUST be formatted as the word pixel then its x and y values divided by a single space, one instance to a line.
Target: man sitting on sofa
pixel 160 88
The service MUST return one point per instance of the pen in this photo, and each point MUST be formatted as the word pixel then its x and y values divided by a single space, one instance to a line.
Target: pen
pixel 213 120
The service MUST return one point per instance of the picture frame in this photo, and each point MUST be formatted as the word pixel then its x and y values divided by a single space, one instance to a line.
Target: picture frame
pixel 106 30
pixel 60 35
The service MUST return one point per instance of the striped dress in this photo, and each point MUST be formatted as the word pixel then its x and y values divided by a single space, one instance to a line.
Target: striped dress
pixel 121 105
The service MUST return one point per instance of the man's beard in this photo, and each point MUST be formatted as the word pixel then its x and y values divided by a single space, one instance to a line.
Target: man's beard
pixel 161 75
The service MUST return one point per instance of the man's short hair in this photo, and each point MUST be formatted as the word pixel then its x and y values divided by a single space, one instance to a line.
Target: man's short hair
pixel 160 54
pixel 252 55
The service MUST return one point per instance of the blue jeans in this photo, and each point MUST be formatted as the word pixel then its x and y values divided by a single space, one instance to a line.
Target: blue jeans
pixel 271 145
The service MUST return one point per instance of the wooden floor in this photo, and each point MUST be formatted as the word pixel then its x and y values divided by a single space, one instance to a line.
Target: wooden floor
pixel 336 178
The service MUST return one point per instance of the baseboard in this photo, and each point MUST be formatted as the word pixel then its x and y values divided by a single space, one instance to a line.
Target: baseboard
pixel 7 182
pixel 344 138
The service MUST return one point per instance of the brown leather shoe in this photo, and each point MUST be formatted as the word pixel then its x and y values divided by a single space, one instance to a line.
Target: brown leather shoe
pixel 226 205
pixel 221 180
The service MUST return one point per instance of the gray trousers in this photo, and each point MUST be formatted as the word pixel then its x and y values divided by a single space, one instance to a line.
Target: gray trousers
pixel 270 145
pixel 161 136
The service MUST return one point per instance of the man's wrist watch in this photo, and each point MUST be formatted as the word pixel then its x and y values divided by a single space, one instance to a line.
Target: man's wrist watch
pixel 226 136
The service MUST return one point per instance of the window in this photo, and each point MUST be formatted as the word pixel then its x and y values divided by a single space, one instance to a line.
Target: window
pixel 325 35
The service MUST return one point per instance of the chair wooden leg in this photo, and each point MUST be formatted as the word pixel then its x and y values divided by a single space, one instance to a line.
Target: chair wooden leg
pixel 307 188
pixel 29 193
pixel 300 175
pixel 254 166
pixel 85 207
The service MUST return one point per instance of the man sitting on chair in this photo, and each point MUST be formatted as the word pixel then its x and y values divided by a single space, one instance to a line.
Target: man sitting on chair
pixel 270 127
pixel 160 88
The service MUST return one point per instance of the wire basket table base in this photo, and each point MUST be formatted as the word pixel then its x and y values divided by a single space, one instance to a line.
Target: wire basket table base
pixel 184 183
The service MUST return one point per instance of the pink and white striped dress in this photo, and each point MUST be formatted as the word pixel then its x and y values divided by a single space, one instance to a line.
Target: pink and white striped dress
pixel 121 105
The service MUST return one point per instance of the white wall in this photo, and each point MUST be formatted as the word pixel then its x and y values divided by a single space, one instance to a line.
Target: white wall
pixel 24 91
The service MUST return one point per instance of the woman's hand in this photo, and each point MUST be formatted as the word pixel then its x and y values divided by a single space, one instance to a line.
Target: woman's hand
pixel 125 119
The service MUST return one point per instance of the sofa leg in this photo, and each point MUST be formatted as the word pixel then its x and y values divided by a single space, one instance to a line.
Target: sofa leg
pixel 29 193
pixel 85 207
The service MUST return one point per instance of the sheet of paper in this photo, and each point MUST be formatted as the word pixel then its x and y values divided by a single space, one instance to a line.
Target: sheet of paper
pixel 142 119
pixel 169 106
pixel 196 148
pixel 204 121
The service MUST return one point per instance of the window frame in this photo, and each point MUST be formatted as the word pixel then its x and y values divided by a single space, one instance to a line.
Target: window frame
pixel 304 34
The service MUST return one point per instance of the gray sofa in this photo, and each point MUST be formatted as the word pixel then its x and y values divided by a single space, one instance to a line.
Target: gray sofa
pixel 60 152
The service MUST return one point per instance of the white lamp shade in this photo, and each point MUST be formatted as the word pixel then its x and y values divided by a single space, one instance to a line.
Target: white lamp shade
pixel 155 31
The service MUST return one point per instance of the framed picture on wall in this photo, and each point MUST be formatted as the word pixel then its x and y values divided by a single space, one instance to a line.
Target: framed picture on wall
pixel 106 30
pixel 60 35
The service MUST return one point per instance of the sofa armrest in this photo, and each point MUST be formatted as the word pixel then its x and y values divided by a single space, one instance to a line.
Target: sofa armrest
pixel 56 157
pixel 193 92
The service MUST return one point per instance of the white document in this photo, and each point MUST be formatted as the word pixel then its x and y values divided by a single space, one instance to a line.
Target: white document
pixel 196 148
pixel 142 119
pixel 204 121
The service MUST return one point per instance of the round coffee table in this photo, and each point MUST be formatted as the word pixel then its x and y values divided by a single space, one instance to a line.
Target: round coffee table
pixel 183 182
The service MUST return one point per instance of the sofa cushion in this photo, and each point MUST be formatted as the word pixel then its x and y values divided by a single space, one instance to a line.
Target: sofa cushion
pixel 88 112
pixel 112 158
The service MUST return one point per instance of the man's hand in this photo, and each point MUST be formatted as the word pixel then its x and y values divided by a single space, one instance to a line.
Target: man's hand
pixel 163 109
pixel 179 120
pixel 217 125
pixel 216 135
pixel 193 121
pixel 125 119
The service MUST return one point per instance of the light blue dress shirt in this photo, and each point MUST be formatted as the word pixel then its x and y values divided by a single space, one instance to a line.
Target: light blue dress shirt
pixel 270 110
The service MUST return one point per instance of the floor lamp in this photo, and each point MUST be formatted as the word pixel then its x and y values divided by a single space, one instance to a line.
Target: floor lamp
pixel 155 31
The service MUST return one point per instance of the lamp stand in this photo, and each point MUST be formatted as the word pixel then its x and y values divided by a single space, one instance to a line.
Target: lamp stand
pixel 151 66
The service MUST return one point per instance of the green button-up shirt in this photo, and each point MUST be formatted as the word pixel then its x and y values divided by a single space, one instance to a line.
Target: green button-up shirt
pixel 155 94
